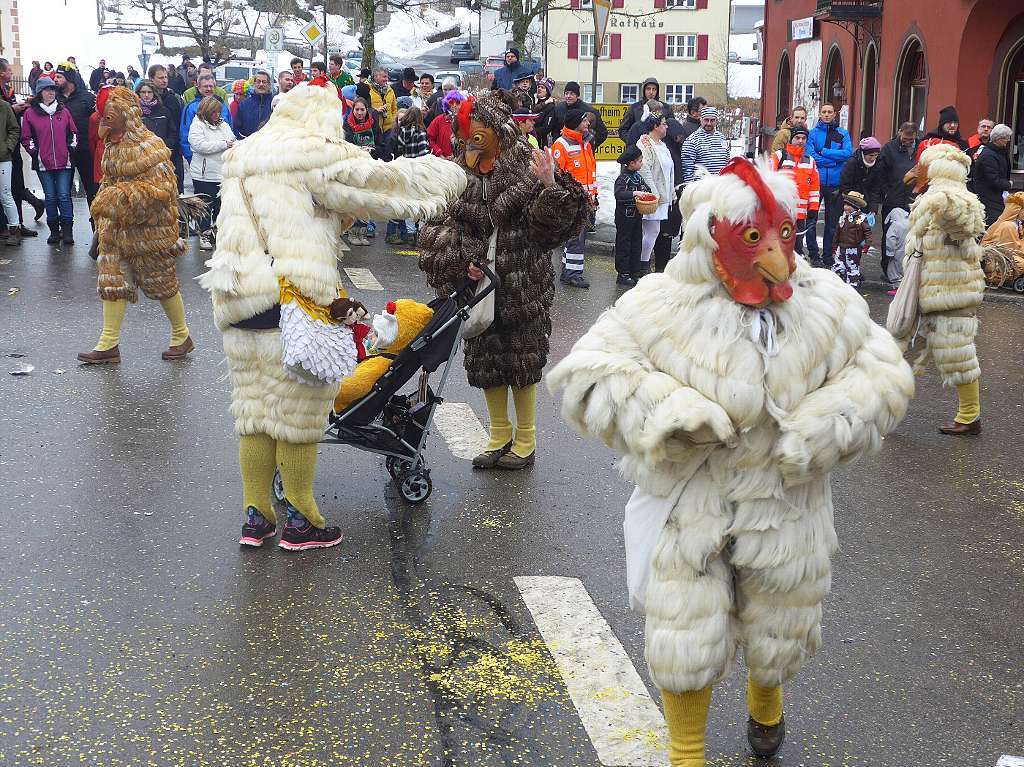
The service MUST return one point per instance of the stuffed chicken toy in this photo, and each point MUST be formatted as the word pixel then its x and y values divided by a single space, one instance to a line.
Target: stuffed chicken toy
pixel 391 331
pixel 733 384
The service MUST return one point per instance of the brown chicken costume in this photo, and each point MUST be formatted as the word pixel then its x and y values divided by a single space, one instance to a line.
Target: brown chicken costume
pixel 515 195
pixel 136 215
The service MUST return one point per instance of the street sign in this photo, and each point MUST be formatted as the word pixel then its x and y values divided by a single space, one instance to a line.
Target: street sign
pixel 148 40
pixel 611 149
pixel 312 33
pixel 273 39
pixel 602 10
pixel 611 114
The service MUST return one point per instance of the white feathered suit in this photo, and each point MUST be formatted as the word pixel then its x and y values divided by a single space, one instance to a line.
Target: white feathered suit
pixel 741 442
pixel 945 224
pixel 307 184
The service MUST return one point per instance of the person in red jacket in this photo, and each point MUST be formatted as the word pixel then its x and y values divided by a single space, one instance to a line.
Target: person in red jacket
pixel 798 163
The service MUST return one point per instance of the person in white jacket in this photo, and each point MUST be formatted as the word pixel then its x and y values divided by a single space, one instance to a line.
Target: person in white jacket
pixel 733 384
pixel 209 136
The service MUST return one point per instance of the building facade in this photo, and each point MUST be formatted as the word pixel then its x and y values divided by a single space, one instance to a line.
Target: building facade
pixel 10 37
pixel 683 43
pixel 495 34
pixel 886 62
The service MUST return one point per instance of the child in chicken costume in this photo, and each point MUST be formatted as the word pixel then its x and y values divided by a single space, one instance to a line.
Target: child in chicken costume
pixel 136 216
pixel 733 383
pixel 945 222
pixel 288 190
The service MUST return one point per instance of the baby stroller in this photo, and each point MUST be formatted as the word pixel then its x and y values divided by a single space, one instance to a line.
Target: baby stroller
pixel 395 424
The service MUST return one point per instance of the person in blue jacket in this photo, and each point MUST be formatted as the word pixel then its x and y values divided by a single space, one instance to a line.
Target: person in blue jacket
pixel 505 77
pixel 254 111
pixel 830 147
pixel 205 85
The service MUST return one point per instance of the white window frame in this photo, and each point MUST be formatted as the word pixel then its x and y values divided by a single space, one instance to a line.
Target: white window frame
pixel 588 5
pixel 587 95
pixel 586 46
pixel 678 47
pixel 687 92
pixel 622 92
pixel 681 5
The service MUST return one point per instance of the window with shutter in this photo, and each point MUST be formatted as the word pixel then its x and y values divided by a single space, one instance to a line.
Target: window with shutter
pixel 616 45
pixel 659 4
pixel 702 5
pixel 574 45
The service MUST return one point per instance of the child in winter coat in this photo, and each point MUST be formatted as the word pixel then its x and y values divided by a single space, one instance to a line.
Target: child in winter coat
pixel 795 160
pixel 628 221
pixel 851 238
pixel 410 141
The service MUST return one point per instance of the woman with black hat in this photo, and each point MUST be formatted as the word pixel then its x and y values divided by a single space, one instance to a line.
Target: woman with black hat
pixel 629 233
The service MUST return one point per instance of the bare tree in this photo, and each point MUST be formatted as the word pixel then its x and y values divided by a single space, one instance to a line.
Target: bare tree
pixel 210 23
pixel 158 12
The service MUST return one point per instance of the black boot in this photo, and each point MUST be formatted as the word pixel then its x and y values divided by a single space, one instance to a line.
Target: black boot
pixel 26 232
pixel 54 237
pixel 36 203
pixel 13 236
pixel 67 228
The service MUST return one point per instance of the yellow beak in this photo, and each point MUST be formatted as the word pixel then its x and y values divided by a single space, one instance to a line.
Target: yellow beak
pixel 772 263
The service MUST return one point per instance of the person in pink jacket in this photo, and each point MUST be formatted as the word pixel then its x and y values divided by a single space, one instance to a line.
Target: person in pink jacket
pixel 49 135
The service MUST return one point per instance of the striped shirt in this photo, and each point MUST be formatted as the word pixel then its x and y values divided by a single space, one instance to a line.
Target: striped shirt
pixel 708 150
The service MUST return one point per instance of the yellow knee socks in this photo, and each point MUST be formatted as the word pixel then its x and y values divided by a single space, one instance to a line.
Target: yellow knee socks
pixel 113 316
pixel 174 308
pixel 764 703
pixel 969 395
pixel 525 400
pixel 257 457
pixel 686 715
pixel 298 469
pixel 497 412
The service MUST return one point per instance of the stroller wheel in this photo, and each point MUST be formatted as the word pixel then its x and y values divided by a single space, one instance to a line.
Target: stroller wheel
pixel 278 487
pixel 416 487
pixel 1018 284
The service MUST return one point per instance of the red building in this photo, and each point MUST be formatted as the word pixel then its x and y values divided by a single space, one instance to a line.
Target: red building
pixel 885 62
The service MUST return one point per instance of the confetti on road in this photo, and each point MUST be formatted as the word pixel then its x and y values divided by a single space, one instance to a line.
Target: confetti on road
pixel 363 278
pixel 461 429
pixel 622 720
pixel 406 252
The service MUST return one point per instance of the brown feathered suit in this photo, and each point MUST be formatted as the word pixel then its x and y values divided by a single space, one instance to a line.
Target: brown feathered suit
pixel 136 211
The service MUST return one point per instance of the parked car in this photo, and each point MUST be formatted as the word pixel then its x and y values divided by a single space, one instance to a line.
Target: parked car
pixel 440 77
pixel 734 57
pixel 461 51
pixel 470 68
pixel 355 63
pixel 493 63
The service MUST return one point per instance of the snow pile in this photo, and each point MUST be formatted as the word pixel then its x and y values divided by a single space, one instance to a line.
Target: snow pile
pixel 745 81
pixel 406 34
pixel 607 172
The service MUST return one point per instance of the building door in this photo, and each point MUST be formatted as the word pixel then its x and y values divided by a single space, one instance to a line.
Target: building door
pixel 1012 112
pixel 1017 145
pixel 784 92
pixel 867 112
pixel 912 87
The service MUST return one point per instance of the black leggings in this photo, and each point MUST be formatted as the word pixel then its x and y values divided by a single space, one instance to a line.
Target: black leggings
pixel 212 190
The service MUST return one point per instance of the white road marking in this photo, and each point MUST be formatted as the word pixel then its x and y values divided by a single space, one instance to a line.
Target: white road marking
pixel 1010 761
pixel 461 429
pixel 622 720
pixel 363 278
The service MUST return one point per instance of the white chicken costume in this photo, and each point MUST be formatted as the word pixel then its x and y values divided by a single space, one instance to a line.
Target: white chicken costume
pixel 288 190
pixel 733 383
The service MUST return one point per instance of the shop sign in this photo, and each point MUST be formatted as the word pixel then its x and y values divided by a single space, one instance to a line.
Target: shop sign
pixel 802 29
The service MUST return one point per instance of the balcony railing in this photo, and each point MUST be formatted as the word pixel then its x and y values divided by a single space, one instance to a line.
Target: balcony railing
pixel 848 10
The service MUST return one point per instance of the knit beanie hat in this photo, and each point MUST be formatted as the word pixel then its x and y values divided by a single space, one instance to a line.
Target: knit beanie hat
pixel 66 66
pixel 42 84
pixel 514 52
pixel 404 102
pixel 948 115
pixel 572 87
pixel 870 144
pixel 630 154
pixel 573 118
pixel 548 83
pixel 798 132
pixel 363 91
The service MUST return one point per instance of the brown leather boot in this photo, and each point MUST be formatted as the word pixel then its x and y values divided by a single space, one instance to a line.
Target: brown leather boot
pixel 178 352
pixel 100 358
pixel 489 458
pixel 512 462
pixel 962 429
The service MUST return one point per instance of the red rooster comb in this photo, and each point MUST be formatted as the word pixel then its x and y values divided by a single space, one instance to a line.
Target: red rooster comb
pixel 464 116
pixel 744 168
pixel 391 307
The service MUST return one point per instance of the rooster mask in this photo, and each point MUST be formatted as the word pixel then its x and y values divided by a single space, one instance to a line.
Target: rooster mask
pixel 754 259
pixel 480 141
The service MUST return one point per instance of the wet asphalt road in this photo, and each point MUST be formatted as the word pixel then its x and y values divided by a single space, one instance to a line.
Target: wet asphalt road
pixel 135 632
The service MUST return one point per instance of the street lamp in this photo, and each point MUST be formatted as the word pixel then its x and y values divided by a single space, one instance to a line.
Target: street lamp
pixel 812 90
pixel 838 93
